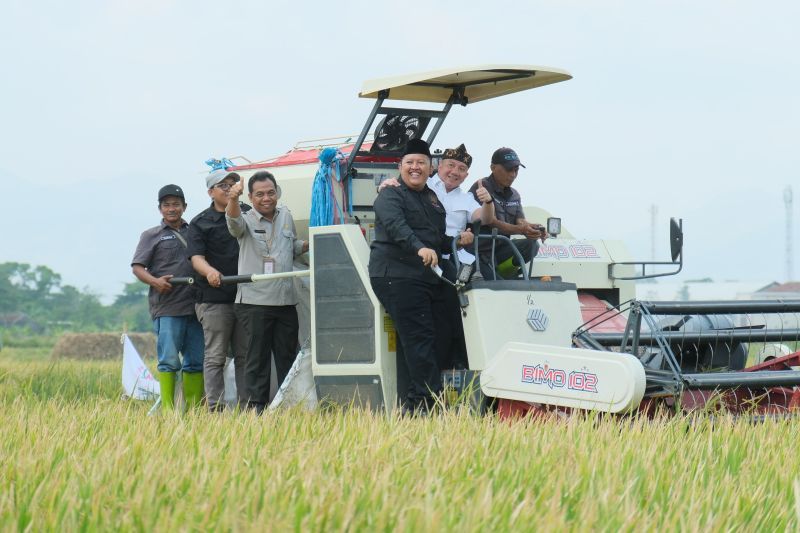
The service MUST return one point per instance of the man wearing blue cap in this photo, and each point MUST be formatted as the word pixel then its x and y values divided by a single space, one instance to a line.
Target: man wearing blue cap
pixel 160 256
pixel 509 220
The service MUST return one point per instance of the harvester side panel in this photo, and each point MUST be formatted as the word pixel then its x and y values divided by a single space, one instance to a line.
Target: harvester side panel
pixel 345 316
pixel 526 311
pixel 354 359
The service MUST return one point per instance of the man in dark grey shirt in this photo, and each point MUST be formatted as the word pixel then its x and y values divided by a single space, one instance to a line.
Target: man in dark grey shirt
pixel 509 220
pixel 160 256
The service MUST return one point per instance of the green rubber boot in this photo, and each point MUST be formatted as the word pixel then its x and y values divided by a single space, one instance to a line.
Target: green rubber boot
pixel 193 389
pixel 507 269
pixel 167 382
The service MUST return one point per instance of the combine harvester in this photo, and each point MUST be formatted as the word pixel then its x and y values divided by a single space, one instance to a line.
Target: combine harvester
pixel 570 335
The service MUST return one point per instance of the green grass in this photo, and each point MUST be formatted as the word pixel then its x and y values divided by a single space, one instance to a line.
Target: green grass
pixel 74 456
pixel 30 374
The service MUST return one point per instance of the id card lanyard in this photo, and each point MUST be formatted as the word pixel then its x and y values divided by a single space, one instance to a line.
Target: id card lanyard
pixel 269 261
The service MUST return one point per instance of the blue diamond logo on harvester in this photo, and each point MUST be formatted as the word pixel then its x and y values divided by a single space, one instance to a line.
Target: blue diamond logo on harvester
pixel 537 319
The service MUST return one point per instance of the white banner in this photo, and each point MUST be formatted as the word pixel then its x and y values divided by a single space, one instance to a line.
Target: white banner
pixel 137 380
pixel 298 388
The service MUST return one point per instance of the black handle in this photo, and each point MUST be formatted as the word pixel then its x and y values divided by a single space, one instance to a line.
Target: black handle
pixel 233 280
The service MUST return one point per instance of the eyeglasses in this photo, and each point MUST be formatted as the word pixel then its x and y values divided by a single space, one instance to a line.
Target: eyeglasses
pixel 223 186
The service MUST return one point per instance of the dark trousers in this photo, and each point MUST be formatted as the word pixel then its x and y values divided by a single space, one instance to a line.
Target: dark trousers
pixel 417 310
pixel 451 347
pixel 453 350
pixel 502 251
pixel 269 329
pixel 224 337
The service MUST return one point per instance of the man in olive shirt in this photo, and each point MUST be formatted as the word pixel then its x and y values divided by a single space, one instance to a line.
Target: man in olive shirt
pixel 268 244
pixel 160 256
pixel 215 253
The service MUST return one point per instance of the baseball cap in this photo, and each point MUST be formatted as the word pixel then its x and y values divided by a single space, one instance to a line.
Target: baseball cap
pixel 218 175
pixel 506 157
pixel 170 190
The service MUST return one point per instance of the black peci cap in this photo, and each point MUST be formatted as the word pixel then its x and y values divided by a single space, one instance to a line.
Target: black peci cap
pixel 417 146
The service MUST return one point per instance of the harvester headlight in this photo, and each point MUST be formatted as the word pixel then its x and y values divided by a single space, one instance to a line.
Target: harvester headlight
pixel 553 226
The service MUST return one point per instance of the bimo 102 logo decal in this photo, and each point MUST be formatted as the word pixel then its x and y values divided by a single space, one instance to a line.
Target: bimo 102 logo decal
pixel 555 378
pixel 573 251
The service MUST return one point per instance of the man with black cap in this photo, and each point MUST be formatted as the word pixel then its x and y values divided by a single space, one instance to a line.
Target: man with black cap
pixel 409 241
pixel 214 253
pixel 160 256
pixel 509 219
pixel 460 206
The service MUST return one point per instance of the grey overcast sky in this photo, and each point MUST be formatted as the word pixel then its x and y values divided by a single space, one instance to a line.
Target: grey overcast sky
pixel 691 106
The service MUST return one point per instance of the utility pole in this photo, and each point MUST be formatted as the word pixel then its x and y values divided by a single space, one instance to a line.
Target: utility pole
pixel 787 200
pixel 653 216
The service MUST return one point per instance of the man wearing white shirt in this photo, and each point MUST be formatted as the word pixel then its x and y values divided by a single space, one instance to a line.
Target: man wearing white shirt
pixel 460 206
pixel 461 209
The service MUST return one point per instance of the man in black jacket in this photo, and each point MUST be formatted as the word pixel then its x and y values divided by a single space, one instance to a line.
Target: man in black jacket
pixel 409 241
pixel 214 253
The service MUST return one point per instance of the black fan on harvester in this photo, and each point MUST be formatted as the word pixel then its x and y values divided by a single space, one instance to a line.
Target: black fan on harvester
pixel 394 131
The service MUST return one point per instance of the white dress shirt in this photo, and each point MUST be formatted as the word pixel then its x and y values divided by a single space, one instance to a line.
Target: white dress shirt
pixel 459 206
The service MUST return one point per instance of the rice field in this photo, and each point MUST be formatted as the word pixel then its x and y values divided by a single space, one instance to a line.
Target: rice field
pixel 75 456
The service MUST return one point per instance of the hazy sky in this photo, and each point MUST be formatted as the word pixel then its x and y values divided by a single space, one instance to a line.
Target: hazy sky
pixel 692 106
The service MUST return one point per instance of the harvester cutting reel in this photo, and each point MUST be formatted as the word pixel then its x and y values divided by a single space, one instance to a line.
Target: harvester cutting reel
pixel 739 357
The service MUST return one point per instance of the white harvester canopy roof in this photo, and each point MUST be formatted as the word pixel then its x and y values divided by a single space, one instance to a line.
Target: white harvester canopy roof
pixel 479 82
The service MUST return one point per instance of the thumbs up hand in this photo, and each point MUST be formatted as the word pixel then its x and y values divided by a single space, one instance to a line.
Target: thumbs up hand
pixel 235 191
pixel 482 194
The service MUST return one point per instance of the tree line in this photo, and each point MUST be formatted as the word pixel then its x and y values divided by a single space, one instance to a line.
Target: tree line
pixel 34 299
